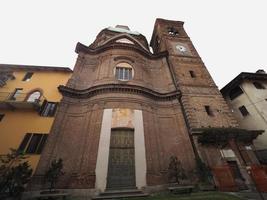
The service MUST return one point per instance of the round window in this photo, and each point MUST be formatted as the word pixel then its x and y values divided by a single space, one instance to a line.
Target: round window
pixel 124 72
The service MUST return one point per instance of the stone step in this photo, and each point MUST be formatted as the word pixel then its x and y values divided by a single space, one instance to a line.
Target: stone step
pixel 120 196
pixel 124 191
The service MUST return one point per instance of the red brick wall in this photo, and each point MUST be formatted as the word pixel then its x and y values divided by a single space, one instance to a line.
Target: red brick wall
pixel 258 173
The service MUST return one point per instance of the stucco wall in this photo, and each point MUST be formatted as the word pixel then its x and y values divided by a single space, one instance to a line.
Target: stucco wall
pixel 255 102
pixel 16 123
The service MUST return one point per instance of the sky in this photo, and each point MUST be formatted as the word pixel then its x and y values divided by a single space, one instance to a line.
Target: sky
pixel 229 35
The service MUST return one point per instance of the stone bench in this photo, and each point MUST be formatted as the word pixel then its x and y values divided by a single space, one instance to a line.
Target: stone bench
pixel 51 196
pixel 181 189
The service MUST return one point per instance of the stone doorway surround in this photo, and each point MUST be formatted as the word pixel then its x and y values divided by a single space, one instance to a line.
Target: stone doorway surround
pixel 117 118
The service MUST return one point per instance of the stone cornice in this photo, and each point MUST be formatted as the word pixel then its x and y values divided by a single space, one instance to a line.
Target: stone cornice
pixel 118 88
pixel 82 48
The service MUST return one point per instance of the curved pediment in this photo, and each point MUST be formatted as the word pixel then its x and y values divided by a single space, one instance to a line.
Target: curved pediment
pixel 125 38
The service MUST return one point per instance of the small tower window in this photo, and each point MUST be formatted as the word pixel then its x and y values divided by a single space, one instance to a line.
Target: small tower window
pixel 192 74
pixel 208 110
pixel 243 111
pixel 172 31
pixel 124 72
pixel 259 85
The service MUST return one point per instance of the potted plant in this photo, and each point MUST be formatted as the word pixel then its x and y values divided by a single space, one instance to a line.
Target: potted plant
pixel 178 177
pixel 53 173
pixel 204 175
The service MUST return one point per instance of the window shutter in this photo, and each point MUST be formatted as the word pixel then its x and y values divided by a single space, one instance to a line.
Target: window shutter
pixel 33 145
pixel 42 108
pixel 42 143
pixel 53 111
pixel 24 142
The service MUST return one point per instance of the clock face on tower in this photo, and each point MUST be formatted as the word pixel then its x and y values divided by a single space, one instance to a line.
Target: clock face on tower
pixel 181 49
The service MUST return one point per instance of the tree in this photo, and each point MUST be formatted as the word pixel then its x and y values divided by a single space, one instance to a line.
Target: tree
pixel 15 173
pixel 176 171
pixel 203 172
pixel 54 172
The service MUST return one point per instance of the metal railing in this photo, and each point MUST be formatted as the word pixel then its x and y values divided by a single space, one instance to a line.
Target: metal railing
pixel 20 100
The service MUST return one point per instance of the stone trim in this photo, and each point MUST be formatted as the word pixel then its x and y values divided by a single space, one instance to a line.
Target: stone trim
pixel 140 150
pixel 101 169
pixel 117 88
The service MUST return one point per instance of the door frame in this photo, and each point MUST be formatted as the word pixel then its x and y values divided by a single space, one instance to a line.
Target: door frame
pixel 133 147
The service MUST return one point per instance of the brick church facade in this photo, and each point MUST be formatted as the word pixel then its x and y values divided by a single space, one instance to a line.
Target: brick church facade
pixel 126 111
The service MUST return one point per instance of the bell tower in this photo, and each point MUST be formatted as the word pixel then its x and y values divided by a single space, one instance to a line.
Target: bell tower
pixel 167 34
pixel 210 123
pixel 203 104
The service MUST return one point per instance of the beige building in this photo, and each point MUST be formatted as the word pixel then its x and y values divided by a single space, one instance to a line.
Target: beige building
pixel 247 96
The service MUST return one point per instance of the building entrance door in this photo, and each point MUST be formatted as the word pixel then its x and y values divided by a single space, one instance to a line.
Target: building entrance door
pixel 121 168
pixel 237 175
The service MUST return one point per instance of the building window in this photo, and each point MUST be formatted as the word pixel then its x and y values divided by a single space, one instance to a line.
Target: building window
pixel 2 117
pixel 5 76
pixel 124 72
pixel 172 31
pixel 15 94
pixel 27 76
pixel 208 110
pixel 192 74
pixel 33 143
pixel 235 92
pixel 48 109
pixel 34 96
pixel 243 111
pixel 259 85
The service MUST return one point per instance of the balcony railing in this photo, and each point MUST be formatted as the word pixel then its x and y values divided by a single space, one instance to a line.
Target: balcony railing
pixel 20 101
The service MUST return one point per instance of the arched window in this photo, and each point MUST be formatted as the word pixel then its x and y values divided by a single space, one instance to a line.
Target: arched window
pixel 124 72
pixel 34 96
pixel 258 85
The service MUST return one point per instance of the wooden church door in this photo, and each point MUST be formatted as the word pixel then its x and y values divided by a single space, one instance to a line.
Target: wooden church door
pixel 121 168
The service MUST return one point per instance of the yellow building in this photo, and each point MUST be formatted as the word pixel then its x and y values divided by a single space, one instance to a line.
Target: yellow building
pixel 28 103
